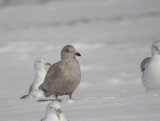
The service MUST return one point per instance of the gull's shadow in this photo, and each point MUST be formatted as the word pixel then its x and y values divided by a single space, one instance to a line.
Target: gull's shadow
pixel 46 100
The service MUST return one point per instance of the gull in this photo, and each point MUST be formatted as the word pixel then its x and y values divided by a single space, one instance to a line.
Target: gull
pixel 54 112
pixel 150 68
pixel 63 77
pixel 40 73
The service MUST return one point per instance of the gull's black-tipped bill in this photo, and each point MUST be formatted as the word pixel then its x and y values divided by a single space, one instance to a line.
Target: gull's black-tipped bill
pixel 78 54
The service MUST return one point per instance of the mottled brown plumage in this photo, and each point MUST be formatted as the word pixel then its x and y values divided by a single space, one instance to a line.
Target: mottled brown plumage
pixel 64 76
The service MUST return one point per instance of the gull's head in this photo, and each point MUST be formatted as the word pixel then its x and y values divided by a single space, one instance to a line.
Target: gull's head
pixel 54 107
pixel 41 63
pixel 156 48
pixel 69 52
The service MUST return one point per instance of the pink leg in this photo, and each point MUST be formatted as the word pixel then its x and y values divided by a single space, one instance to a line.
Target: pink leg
pixel 56 97
pixel 70 96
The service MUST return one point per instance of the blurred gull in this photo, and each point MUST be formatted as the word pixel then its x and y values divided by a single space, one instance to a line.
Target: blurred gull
pixel 54 112
pixel 150 68
pixel 64 76
pixel 40 73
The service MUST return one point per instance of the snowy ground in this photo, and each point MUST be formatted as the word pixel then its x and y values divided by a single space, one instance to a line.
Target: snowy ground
pixel 113 36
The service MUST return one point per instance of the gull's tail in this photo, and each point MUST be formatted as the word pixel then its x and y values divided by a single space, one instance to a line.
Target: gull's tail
pixel 46 93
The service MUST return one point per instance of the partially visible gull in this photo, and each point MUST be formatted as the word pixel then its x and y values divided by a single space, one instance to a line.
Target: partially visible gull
pixel 40 73
pixel 64 76
pixel 54 112
pixel 150 68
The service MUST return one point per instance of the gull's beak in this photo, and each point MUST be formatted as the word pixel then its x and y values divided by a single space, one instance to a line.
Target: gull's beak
pixel 48 64
pixel 59 110
pixel 78 54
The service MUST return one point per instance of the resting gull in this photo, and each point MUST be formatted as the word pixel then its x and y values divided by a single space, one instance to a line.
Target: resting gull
pixel 40 73
pixel 64 76
pixel 150 68
pixel 54 112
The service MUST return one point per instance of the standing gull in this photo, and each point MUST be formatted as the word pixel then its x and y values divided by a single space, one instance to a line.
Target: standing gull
pixel 150 68
pixel 40 73
pixel 54 112
pixel 64 76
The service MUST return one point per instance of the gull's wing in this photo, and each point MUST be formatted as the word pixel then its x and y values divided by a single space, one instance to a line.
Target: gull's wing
pixel 51 75
pixel 144 63
pixel 26 96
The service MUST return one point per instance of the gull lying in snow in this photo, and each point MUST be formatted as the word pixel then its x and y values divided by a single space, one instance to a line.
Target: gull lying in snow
pixel 54 112
pixel 64 76
pixel 150 67
pixel 40 73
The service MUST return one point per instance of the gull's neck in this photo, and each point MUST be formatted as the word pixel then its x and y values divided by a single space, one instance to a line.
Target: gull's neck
pixel 51 116
pixel 68 58
pixel 155 56
pixel 39 76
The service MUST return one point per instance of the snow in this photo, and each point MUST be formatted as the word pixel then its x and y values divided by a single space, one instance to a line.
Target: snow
pixel 113 36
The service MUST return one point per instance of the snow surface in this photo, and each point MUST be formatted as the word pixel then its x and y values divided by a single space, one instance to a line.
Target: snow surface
pixel 113 36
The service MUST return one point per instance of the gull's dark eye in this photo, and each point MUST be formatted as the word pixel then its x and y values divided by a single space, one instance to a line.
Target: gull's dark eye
pixel 67 50
pixel 156 48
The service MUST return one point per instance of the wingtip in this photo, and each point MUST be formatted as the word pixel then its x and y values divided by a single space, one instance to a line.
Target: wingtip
pixel 24 97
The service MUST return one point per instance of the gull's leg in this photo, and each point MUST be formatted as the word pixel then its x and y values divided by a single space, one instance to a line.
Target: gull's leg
pixel 56 97
pixel 70 96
